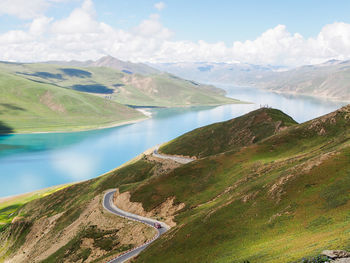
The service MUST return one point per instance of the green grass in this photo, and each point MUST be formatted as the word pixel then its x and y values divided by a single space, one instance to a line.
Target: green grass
pixel 41 97
pixel 282 198
pixel 10 207
pixel 151 90
pixel 27 106
pixel 224 232
pixel 69 200
pixel 229 135
pixel 104 240
pixel 172 92
pixel 303 215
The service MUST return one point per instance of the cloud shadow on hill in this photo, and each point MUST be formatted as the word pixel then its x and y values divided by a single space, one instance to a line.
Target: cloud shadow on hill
pixel 5 130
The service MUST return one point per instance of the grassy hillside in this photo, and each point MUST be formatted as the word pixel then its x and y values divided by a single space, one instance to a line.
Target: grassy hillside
pixel 278 199
pixel 69 224
pixel 229 135
pixel 157 89
pixel 28 106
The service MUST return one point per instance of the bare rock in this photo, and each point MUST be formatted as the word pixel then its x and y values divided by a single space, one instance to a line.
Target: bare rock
pixel 335 254
pixel 342 260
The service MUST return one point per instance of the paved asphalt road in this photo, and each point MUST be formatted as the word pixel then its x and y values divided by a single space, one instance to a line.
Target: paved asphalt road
pixel 178 159
pixel 110 207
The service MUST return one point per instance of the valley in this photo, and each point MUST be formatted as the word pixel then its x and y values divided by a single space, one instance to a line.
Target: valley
pixel 174 132
pixel 70 157
pixel 283 184
pixel 329 80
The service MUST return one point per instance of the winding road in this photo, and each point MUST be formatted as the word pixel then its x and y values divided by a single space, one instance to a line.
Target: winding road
pixel 112 208
pixel 178 159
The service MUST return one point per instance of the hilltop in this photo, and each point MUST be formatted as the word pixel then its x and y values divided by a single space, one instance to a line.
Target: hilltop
pixel 126 67
pixel 278 198
pixel 229 135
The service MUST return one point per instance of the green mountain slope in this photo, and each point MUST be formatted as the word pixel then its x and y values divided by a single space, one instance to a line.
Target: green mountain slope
pixel 69 224
pixel 153 89
pixel 277 199
pixel 229 135
pixel 28 106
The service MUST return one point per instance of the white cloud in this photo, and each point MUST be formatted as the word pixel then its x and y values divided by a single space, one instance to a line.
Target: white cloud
pixel 160 6
pixel 15 37
pixel 80 21
pixel 152 28
pixel 278 46
pixel 39 26
pixel 26 9
pixel 81 36
pixel 23 8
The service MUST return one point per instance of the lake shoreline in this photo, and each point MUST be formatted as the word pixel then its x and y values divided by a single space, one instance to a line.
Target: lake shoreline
pixel 82 130
pixel 44 191
pixel 142 109
pixel 71 157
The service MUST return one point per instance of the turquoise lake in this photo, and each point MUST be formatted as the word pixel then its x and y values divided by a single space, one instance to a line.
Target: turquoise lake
pixel 33 161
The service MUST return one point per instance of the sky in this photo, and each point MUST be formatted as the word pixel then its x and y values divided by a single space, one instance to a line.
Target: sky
pixel 270 32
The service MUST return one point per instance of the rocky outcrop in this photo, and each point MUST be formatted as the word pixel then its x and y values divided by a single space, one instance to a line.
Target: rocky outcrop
pixel 333 254
pixel 166 211
pixel 339 256
pixel 341 260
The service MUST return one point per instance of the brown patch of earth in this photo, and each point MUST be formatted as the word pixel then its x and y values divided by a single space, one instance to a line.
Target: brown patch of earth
pixel 48 100
pixel 42 241
pixel 164 212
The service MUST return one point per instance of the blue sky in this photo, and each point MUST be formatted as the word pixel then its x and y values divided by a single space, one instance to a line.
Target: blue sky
pixel 209 20
pixel 230 28
pixel 228 20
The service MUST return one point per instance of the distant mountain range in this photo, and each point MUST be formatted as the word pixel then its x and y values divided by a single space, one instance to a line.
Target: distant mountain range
pixel 111 62
pixel 330 79
pixel 234 73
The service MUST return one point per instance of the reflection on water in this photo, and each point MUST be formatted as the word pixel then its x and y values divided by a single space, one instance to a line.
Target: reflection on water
pixel 33 161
